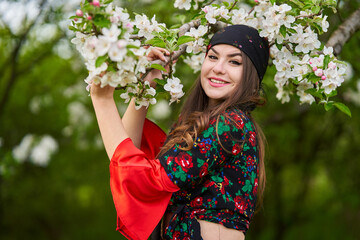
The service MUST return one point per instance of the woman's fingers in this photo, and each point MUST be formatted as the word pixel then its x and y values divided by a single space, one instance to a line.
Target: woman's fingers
pixel 158 53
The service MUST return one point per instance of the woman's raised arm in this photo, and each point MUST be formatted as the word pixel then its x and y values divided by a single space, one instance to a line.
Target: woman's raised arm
pixel 113 129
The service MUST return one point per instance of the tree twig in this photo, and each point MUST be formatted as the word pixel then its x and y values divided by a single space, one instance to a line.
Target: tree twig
pixel 344 32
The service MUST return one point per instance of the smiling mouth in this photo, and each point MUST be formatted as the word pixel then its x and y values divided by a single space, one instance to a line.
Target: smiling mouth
pixel 217 81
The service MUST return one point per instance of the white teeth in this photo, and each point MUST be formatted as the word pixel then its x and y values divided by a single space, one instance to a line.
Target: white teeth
pixel 216 81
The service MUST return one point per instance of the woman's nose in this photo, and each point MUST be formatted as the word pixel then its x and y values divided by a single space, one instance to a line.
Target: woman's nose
pixel 219 67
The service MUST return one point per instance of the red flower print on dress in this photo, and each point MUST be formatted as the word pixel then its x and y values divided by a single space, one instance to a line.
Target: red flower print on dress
pixel 250 161
pixel 184 160
pixel 197 202
pixel 169 160
pixel 236 149
pixel 204 147
pixel 176 235
pixel 255 186
pixel 204 170
pixel 252 138
pixel 239 121
pixel 240 204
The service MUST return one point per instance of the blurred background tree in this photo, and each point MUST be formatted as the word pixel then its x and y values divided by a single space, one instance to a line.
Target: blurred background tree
pixel 54 180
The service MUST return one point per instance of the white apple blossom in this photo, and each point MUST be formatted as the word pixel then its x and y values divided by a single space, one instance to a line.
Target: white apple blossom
pixel 126 95
pixel 117 54
pixel 102 46
pixel 183 4
pixel 41 153
pixel 173 85
pixel 79 41
pixel 126 77
pixel 223 12
pixel 197 45
pixel 282 95
pixel 211 14
pixel 111 34
pixel 325 24
pixel 239 16
pixel 110 78
pixel 305 97
pixel 22 151
pixel 89 49
pixel 195 61
pixel 128 64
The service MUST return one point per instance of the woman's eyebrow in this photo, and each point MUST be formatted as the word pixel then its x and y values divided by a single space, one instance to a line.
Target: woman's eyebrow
pixel 229 55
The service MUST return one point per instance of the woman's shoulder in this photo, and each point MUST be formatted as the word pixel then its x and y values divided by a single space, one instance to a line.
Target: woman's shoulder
pixel 237 116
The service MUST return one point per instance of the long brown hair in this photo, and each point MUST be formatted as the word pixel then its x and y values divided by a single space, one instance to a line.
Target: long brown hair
pixel 196 113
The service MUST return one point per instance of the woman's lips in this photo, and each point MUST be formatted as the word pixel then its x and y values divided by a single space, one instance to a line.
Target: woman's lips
pixel 217 82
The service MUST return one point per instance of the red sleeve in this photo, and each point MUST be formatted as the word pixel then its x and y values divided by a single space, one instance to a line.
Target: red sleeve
pixel 140 187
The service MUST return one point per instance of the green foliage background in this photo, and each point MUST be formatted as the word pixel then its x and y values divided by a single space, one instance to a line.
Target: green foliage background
pixel 313 184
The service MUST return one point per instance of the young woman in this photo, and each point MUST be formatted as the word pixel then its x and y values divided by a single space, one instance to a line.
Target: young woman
pixel 204 178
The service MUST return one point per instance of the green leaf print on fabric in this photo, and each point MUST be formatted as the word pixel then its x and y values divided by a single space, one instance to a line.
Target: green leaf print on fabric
pixel 248 186
pixel 249 126
pixel 180 174
pixel 246 147
pixel 200 162
pixel 223 128
pixel 208 132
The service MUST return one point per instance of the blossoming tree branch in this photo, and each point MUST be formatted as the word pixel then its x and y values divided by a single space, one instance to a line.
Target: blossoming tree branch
pixel 113 42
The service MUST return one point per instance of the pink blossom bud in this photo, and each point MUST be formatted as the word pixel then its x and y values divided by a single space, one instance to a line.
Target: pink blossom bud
pixel 319 72
pixel 323 77
pixel 89 17
pixel 96 3
pixel 75 19
pixel 79 13
pixel 316 83
pixel 256 1
pixel 310 62
pixel 129 25
pixel 314 69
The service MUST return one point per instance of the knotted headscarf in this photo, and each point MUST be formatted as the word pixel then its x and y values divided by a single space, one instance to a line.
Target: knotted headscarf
pixel 248 40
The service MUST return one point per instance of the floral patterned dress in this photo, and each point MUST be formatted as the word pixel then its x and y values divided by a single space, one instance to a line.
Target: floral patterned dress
pixel 218 177
pixel 215 181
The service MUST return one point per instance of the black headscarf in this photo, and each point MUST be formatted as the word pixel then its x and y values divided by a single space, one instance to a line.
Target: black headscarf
pixel 248 40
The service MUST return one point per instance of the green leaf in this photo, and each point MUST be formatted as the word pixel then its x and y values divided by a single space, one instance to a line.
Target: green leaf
pixel 328 106
pixel 297 2
pixel 283 30
pixel 158 67
pixel 100 60
pixel 315 9
pixel 101 21
pixel 72 28
pixel 342 107
pixel 161 82
pixel 332 94
pixel 326 61
pixel 314 93
pixel 313 78
pixel 107 2
pixel 272 2
pixel 185 39
pixel 156 42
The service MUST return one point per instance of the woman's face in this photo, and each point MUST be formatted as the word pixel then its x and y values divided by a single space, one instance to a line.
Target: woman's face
pixel 221 72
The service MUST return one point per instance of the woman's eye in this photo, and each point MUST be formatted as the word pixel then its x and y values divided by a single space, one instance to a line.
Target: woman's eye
pixel 235 62
pixel 212 57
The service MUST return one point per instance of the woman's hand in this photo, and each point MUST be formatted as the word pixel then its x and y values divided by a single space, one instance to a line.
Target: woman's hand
pixel 97 92
pixel 156 54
